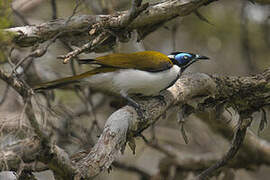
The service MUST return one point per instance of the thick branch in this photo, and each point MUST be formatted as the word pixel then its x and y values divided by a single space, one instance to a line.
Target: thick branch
pixel 46 152
pixel 79 25
pixel 246 94
pixel 30 153
pixel 15 83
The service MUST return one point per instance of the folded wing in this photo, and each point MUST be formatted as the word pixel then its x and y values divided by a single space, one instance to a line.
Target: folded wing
pixel 151 61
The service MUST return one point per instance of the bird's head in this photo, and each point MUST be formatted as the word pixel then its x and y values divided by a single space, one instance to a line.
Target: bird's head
pixel 184 59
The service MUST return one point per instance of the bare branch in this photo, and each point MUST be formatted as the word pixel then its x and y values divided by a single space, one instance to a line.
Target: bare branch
pixel 2 100
pixel 92 44
pixel 134 11
pixel 244 94
pixel 257 150
pixel 58 160
pixel 20 87
pixel 200 90
pixel 124 123
pixel 54 9
pixel 36 53
pixel 155 14
pixel 240 134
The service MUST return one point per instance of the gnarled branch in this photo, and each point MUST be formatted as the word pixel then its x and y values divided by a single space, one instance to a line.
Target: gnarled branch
pixel 78 26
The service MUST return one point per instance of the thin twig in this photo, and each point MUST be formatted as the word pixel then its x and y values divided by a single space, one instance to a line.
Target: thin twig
pixel 36 53
pixel 41 51
pixel 156 14
pixel 92 44
pixel 134 11
pixel 15 83
pixel 202 17
pixel 78 3
pixel 4 95
pixel 236 144
pixel 33 121
pixel 54 9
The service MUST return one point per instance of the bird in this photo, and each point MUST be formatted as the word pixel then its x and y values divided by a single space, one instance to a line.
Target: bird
pixel 145 73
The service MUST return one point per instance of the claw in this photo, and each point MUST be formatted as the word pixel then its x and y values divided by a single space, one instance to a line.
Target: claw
pixel 140 111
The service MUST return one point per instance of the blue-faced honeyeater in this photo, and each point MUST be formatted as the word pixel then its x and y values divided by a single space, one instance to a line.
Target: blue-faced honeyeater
pixel 144 73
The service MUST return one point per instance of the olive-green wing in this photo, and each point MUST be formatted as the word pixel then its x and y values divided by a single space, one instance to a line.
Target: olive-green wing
pixel 152 61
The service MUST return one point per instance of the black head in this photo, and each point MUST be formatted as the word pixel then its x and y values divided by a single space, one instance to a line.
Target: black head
pixel 184 59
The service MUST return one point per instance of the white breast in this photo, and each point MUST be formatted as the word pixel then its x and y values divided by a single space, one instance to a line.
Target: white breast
pixel 132 81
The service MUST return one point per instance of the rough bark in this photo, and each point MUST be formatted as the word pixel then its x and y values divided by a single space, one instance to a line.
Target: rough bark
pixel 245 94
pixel 200 91
pixel 76 28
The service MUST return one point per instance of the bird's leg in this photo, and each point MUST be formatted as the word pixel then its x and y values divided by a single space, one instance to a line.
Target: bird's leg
pixel 133 104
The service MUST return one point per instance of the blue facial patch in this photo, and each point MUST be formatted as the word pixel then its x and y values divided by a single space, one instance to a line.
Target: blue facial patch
pixel 183 58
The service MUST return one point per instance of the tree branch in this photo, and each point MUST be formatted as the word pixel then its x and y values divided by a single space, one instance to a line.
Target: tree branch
pixel 199 89
pixel 236 144
pixel 245 94
pixel 78 26
pixel 256 149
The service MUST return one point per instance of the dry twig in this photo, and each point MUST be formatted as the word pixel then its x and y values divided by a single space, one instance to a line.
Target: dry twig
pixel 238 139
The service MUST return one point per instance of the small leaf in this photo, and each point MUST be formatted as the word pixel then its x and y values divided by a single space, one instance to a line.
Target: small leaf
pixel 132 145
pixel 181 122
pixel 184 112
pixel 183 132
pixel 263 121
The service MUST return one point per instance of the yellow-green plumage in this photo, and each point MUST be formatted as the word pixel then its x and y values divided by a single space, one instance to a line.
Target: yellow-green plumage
pixel 151 61
pixel 141 73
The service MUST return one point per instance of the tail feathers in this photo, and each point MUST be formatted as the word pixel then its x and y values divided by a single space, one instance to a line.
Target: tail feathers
pixel 72 79
pixel 64 81
pixel 55 84
pixel 86 61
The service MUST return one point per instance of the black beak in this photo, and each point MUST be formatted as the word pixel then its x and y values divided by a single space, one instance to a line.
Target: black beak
pixel 199 57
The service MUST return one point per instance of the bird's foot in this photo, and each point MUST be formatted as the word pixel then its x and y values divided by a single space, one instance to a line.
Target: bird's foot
pixel 138 109
pixel 140 113
pixel 134 104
